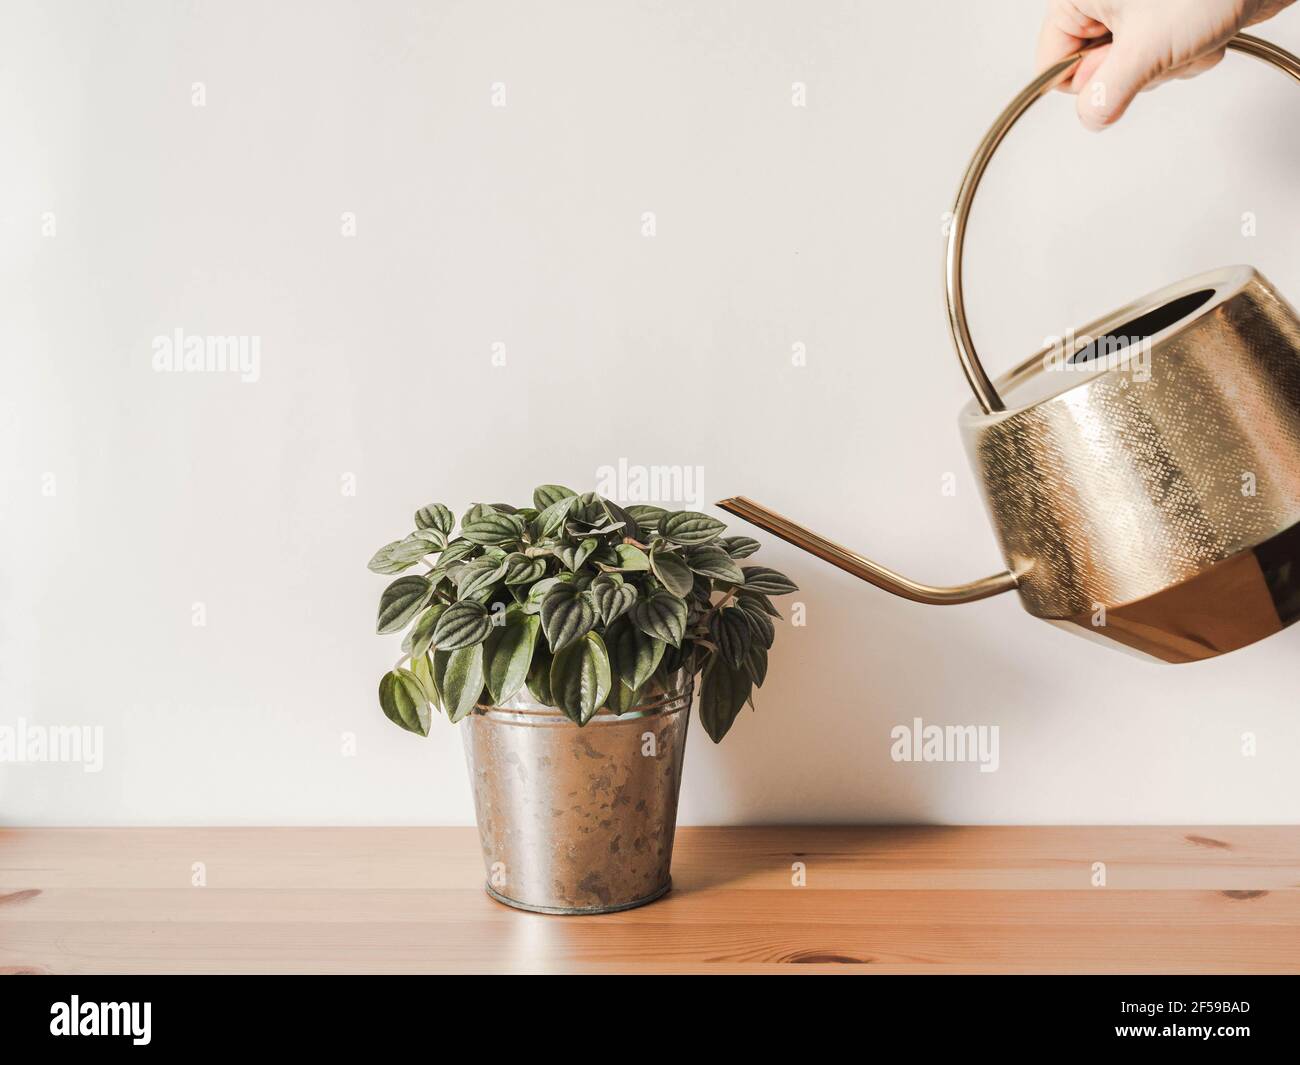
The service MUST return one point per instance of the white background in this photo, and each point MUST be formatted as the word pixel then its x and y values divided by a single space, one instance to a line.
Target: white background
pixel 776 225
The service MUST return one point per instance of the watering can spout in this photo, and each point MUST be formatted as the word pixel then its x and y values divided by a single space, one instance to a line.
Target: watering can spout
pixel 864 568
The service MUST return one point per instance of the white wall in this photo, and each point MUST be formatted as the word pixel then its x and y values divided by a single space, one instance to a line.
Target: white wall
pixel 521 224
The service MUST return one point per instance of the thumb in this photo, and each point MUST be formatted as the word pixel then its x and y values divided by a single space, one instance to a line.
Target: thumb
pixel 1127 68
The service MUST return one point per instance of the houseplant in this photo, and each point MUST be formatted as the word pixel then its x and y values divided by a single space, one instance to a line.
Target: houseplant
pixel 574 612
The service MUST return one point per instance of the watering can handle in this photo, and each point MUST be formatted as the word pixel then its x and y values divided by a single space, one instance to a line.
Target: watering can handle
pixel 980 384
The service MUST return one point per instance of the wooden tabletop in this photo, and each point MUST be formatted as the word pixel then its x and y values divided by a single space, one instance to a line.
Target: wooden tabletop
pixel 398 900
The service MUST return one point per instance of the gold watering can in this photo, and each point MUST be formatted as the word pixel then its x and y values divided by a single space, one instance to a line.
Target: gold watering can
pixel 1160 508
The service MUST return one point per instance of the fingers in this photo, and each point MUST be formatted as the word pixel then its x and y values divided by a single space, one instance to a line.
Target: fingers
pixel 1066 17
pixel 1200 66
pixel 1150 47
pixel 1188 70
pixel 1123 72
pixel 1053 45
pixel 1086 68
pixel 1065 29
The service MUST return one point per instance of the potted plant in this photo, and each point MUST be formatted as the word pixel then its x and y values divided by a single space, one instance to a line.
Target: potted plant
pixel 568 636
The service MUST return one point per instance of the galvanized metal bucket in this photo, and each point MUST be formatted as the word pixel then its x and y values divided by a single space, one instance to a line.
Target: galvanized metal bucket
pixel 578 820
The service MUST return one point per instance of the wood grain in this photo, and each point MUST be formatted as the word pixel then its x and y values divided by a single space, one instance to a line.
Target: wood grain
pixel 397 900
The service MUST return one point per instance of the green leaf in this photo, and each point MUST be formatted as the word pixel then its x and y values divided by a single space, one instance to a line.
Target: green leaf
pixel 768 581
pixel 759 621
pixel 549 494
pixel 672 571
pixel 478 510
pixel 662 616
pixel 646 516
pixel 493 528
pixel 722 694
pixel 702 591
pixel 756 663
pixel 580 678
pixel 574 556
pixel 621 698
pixel 631 558
pixel 633 654
pixel 403 701
pixel 550 520
pixel 435 516
pixel 539 676
pixel 455 551
pixel 674 659
pixel 688 527
pixel 508 654
pixel 588 509
pixel 432 539
pixel 739 546
pixel 611 597
pixel 520 569
pixel 477 575
pixel 459 676
pixel 712 561
pixel 461 625
pixel 605 556
pixel 401 601
pixel 732 633
pixel 417 641
pixel 758 601
pixel 422 669
pixel 397 556
pixel 567 614
pixel 596 528
pixel 621 518
pixel 537 594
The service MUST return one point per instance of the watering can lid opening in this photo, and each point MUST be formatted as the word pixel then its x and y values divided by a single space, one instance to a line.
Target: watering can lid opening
pixel 1121 342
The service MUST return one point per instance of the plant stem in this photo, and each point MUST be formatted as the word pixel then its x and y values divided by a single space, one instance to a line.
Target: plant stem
pixel 717 606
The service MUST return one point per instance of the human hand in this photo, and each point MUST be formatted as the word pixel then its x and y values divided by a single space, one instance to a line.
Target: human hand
pixel 1154 40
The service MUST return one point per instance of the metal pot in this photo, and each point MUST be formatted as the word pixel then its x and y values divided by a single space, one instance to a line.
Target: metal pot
pixel 1150 497
pixel 578 820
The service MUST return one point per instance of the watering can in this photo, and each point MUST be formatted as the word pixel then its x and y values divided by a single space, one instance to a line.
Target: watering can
pixel 1143 476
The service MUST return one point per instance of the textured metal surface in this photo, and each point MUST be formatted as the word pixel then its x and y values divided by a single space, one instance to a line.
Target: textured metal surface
pixel 578 820
pixel 1106 489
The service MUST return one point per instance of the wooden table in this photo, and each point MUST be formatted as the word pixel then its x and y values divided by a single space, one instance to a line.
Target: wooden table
pixel 913 900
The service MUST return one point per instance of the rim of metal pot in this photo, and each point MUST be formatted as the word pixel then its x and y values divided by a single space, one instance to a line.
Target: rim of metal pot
pixel 577 911
pixel 675 698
